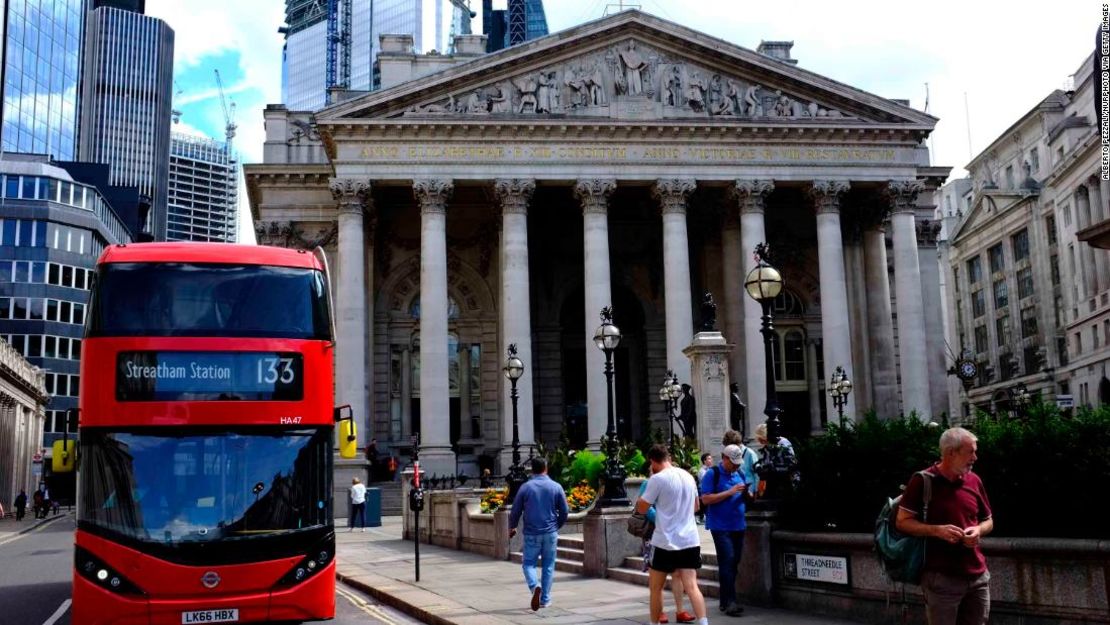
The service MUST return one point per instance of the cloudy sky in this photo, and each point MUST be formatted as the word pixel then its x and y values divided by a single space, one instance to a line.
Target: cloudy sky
pixel 1005 56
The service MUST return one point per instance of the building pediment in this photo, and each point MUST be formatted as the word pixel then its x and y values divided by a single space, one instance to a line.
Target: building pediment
pixel 629 66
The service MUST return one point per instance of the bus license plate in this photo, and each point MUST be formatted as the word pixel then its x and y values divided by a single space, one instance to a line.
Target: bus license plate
pixel 228 615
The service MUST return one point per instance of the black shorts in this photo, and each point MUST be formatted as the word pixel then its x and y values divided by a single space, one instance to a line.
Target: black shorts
pixel 670 561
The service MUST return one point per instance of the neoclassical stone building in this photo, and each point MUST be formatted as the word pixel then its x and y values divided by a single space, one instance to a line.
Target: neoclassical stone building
pixel 22 415
pixel 629 162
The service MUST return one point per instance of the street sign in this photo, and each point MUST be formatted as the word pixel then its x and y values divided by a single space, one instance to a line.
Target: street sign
pixel 1065 401
pixel 816 568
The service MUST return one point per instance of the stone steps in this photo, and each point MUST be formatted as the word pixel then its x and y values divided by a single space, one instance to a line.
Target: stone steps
pixel 570 555
pixel 561 564
pixel 707 571
pixel 391 497
pixel 709 587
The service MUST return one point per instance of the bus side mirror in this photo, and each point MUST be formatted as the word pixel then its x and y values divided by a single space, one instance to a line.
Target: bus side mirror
pixel 64 458
pixel 348 432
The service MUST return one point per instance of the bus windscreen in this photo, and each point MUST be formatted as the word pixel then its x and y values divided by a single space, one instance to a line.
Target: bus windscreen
pixel 161 487
pixel 209 300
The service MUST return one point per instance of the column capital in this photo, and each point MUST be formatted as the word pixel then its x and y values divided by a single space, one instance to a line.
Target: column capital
pixel 672 193
pixel 826 195
pixel 902 195
pixel 751 195
pixel 351 194
pixel 594 194
pixel 515 194
pixel 927 232
pixel 432 194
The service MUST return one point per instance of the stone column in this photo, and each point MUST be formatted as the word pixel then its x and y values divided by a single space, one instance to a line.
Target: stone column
pixel 594 196
pixel 435 424
pixel 352 377
pixel 734 271
pixel 912 361
pixel 672 194
pixel 406 393
pixel 751 195
pixel 879 318
pixel 813 386
pixel 1093 259
pixel 835 329
pixel 516 325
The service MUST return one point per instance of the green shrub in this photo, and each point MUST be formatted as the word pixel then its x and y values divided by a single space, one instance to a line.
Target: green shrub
pixel 585 465
pixel 1040 472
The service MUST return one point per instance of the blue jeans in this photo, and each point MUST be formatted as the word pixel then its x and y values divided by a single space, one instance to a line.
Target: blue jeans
pixel 358 515
pixel 730 546
pixel 540 546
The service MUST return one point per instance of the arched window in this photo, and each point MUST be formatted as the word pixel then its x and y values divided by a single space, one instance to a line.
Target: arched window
pixel 787 304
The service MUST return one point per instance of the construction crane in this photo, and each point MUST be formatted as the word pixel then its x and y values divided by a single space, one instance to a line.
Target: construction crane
pixel 229 113
pixel 338 71
pixel 175 113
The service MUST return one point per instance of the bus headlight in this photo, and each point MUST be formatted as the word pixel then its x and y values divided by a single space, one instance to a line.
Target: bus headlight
pixel 96 571
pixel 312 564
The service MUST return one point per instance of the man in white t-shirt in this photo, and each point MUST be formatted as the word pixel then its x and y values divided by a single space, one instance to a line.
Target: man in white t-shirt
pixel 358 504
pixel 676 539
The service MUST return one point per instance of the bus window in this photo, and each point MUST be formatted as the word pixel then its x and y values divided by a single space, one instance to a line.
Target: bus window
pixel 176 299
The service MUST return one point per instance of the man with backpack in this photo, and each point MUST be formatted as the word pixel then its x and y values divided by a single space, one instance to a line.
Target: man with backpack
pixel 723 489
pixel 952 517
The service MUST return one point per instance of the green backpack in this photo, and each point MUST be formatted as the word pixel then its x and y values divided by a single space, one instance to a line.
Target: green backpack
pixel 902 556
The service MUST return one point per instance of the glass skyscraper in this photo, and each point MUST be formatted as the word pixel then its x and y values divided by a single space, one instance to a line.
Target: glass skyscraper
pixel 304 68
pixel 41 67
pixel 496 23
pixel 126 103
pixel 203 203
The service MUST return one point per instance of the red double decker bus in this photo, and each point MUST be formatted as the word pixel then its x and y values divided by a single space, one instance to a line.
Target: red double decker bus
pixel 205 438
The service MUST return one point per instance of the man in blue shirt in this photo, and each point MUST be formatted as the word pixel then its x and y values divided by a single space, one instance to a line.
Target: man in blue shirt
pixel 543 503
pixel 722 489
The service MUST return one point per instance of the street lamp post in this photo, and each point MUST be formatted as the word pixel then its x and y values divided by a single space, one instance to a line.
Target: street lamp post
pixel 514 368
pixel 839 389
pixel 607 337
pixel 669 394
pixel 763 284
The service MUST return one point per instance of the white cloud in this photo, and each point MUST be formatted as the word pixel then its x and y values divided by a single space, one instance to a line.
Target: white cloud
pixel 1007 56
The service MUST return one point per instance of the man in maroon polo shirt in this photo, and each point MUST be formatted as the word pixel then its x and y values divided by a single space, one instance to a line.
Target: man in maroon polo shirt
pixel 954 580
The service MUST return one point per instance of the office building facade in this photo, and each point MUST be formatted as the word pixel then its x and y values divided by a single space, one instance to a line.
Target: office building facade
pixel 52 229
pixel 126 103
pixel 1028 271
pixel 203 197
pixel 42 48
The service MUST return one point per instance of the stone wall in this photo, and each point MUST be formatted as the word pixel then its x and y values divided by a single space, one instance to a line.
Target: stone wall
pixel 1033 580
pixel 453 519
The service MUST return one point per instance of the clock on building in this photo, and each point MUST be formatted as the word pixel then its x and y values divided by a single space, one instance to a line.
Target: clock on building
pixel 966 369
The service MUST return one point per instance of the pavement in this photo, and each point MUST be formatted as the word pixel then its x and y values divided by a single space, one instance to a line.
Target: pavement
pixel 463 588
pixel 9 527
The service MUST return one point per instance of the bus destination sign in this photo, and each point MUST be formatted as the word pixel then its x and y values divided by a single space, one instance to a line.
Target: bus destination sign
pixel 209 376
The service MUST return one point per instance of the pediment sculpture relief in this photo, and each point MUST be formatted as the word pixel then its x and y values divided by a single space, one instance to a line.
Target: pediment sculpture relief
pixel 629 71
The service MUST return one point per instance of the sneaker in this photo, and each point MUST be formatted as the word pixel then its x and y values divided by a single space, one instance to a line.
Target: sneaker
pixel 364 530
pixel 685 617
pixel 735 610
pixel 536 598
pixel 545 605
